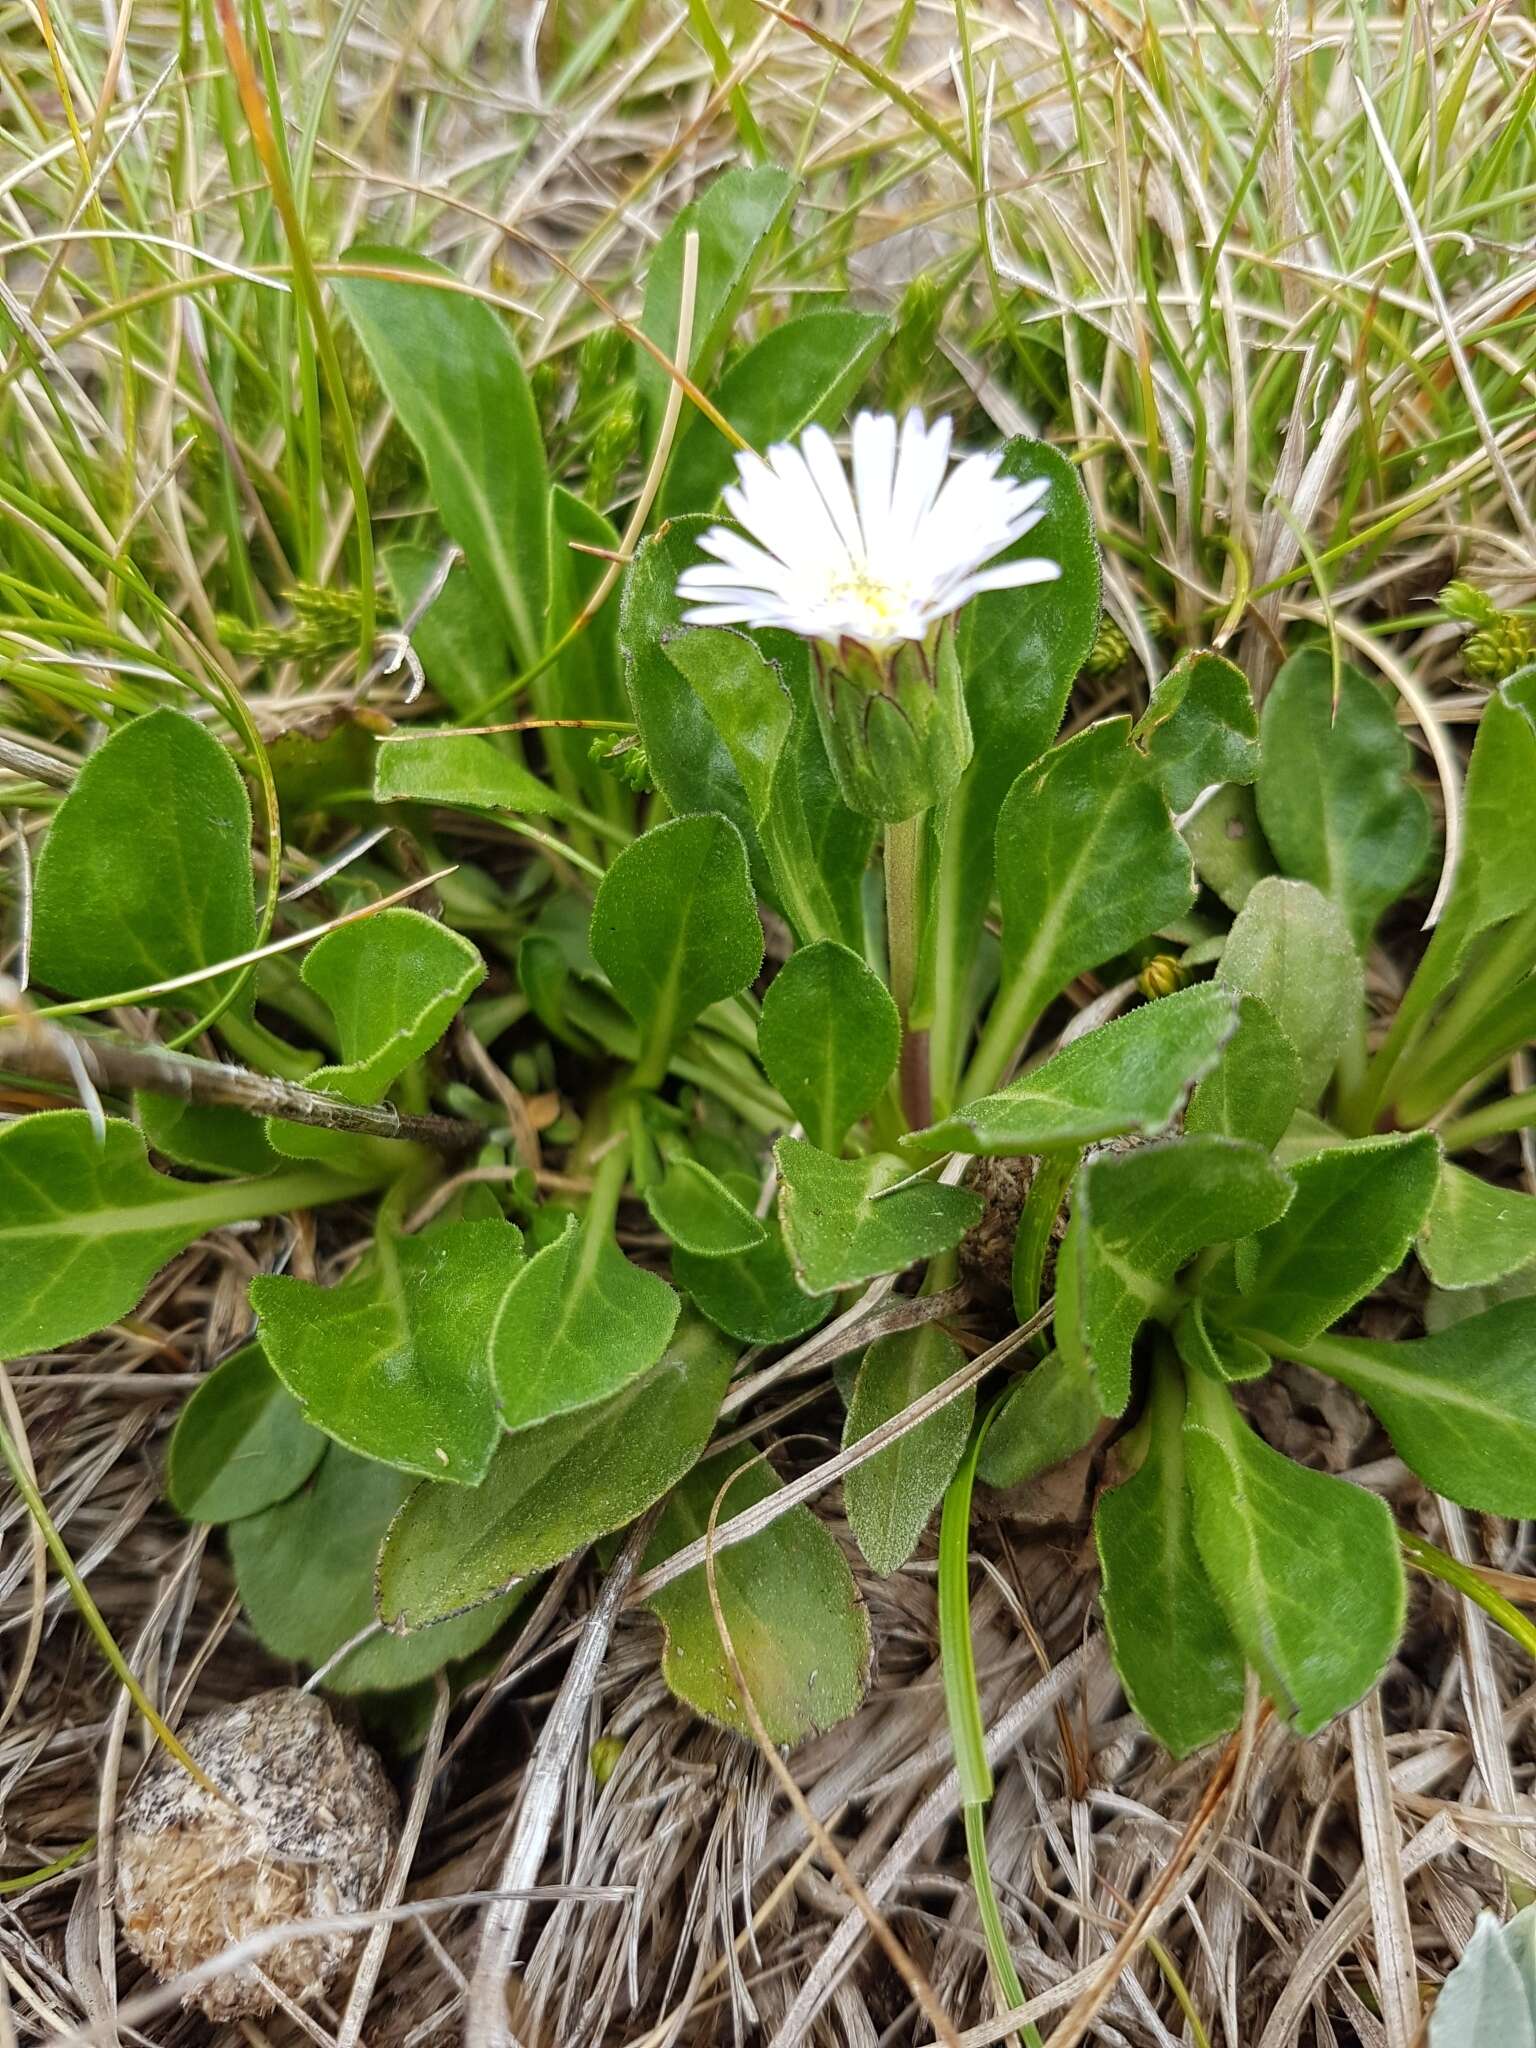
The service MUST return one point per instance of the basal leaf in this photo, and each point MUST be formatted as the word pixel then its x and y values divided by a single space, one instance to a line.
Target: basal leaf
pixel 1291 948
pixel 1333 791
pixel 804 371
pixel 845 1220
pixel 1131 1075
pixel 1019 652
pixel 675 928
pixel 690 762
pixel 1254 1088
pixel 1088 863
pixel 587 681
pixel 146 870
pixel 1209 1347
pixel 890 1497
pixel 395 1360
pixel 206 1136
pixel 240 1444
pixel 449 368
pixel 1175 1652
pixel 1460 1407
pixel 701 1214
pixel 1305 1565
pixel 1490 1996
pixel 578 1323
pixel 829 1038
pixel 1137 1217
pixel 1229 847
pixel 462 772
pixel 1200 728
pixel 753 1295
pixel 815 847
pixel 735 219
pixel 747 702
pixel 86 1223
pixel 554 1487
pixel 796 1622
pixel 304 1570
pixel 1357 1209
pixel 1049 1416
pixel 394 982
pixel 460 638
pixel 1475 1232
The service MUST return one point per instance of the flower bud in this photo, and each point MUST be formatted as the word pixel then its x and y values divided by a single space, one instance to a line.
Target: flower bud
pixel 894 722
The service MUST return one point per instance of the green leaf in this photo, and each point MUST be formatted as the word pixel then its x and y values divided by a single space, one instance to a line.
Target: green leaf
pixel 1495 877
pixel 700 1213
pixel 1209 1347
pixel 1131 1075
pixel 747 703
pixel 816 848
pixel 394 1360
pixel 587 681
pixel 1357 1209
pixel 463 773
pixel 1306 1566
pixel 690 762
pixel 1088 863
pixel 449 369
pixel 735 219
pixel 86 1223
pixel 1019 651
pixel 1047 1418
pixel 304 1570
pixel 459 639
pixel 829 1038
pixel 1137 1217
pixel 796 1622
pixel 889 1498
pixel 1200 728
pixel 1229 848
pixel 394 982
pixel 675 928
pixel 240 1444
pixel 206 1136
pixel 1460 1407
pixel 1333 790
pixel 1476 1233
pixel 802 372
pixel 1291 948
pixel 1490 1996
pixel 753 1295
pixel 1253 1090
pixel 1176 1655
pixel 555 1487
pixel 146 870
pixel 845 1220
pixel 579 1322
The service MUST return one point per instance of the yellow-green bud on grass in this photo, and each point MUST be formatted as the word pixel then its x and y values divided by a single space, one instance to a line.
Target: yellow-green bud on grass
pixel 894 723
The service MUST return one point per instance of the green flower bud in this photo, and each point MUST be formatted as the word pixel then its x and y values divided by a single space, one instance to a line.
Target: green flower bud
pixel 1465 602
pixel 1163 975
pixel 894 722
pixel 625 759
pixel 1498 649
pixel 1110 651
pixel 604 1756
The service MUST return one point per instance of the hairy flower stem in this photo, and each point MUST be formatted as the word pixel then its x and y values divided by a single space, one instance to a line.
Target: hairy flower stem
pixel 903 920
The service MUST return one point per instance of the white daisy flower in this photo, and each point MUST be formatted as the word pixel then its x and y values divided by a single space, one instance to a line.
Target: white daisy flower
pixel 880 563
